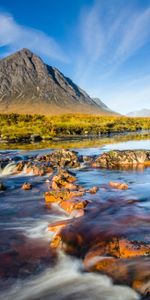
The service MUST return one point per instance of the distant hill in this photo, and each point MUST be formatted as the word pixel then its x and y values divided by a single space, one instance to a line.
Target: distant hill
pixel 28 85
pixel 140 113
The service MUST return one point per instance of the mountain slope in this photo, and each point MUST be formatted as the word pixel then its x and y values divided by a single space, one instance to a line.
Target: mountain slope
pixel 27 85
pixel 102 105
pixel 140 113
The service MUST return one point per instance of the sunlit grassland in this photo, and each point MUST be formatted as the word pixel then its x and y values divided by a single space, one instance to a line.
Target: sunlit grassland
pixel 17 125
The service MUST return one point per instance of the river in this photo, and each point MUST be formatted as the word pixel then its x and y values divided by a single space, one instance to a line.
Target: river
pixel 27 269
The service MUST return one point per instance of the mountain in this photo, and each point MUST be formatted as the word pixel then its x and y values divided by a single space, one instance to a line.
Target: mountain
pixel 102 104
pixel 28 85
pixel 140 113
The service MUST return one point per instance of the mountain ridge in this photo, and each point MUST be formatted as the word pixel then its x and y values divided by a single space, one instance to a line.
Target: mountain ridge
pixel 28 85
pixel 144 112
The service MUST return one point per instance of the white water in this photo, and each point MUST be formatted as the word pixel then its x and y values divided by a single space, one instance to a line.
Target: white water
pixel 8 170
pixel 66 282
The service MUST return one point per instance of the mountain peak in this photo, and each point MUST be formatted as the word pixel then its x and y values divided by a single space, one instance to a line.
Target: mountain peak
pixel 27 85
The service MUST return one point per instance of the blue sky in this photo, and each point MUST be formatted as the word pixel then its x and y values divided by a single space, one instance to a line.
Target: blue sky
pixel 103 45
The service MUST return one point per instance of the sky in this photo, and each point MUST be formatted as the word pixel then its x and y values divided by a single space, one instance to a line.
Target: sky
pixel 102 45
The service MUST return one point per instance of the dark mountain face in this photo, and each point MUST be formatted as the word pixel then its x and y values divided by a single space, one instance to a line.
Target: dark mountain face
pixel 27 85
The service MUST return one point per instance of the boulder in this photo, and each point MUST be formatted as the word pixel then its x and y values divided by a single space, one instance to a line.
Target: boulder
pixel 117 158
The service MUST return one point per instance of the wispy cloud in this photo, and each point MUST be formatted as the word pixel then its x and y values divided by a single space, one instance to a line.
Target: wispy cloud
pixel 110 35
pixel 15 36
pixel 136 33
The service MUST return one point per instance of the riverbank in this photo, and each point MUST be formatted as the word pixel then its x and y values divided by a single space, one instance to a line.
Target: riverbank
pixel 34 128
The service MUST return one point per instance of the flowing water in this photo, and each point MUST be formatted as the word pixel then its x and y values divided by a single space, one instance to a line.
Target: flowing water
pixel 28 269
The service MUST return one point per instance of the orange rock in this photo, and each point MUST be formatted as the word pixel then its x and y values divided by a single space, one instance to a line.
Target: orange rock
pixel 113 267
pixel 56 242
pixel 93 190
pixel 57 196
pixel 63 195
pixel 27 186
pixel 73 204
pixel 118 185
pixel 63 180
pixel 101 249
pixel 133 248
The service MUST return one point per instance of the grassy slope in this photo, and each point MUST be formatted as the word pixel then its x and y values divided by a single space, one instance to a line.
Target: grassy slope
pixel 16 125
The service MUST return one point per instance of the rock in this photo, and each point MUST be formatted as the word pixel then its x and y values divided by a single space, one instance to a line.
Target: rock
pixel 113 267
pixel 27 186
pixel 133 248
pixel 62 158
pixel 56 242
pixel 118 185
pixel 93 190
pixel 63 180
pixel 57 196
pixel 126 158
pixel 38 169
pixel 2 187
pixel 35 138
pixel 74 204
pixel 20 166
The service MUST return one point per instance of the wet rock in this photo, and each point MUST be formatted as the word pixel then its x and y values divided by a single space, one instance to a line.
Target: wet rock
pixel 2 186
pixel 57 196
pixel 35 138
pixel 73 204
pixel 63 180
pixel 62 158
pixel 116 159
pixel 118 185
pixel 133 248
pixel 27 186
pixel 20 166
pixel 93 190
pixel 113 267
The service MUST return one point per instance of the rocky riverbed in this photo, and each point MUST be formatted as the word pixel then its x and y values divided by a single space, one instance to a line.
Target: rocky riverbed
pixel 94 217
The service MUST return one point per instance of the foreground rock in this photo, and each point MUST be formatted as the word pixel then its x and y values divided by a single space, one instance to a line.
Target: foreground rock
pixel 127 158
pixel 106 245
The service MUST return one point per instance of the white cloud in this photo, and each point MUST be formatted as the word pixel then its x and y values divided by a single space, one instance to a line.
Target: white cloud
pixel 16 36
